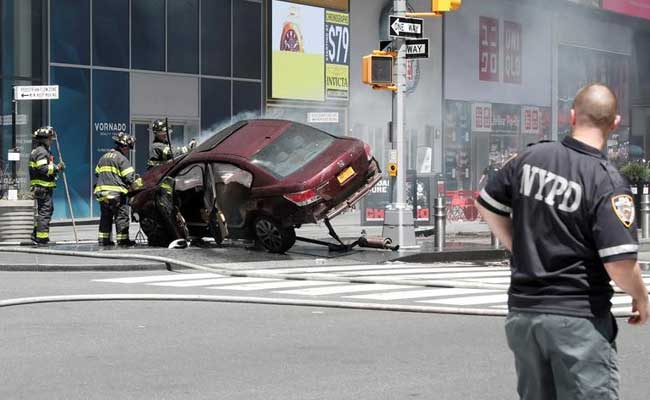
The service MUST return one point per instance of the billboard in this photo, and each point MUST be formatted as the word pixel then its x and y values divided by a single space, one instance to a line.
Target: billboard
pixel 635 8
pixel 310 52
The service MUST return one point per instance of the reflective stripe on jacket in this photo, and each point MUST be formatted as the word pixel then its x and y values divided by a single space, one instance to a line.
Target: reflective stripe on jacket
pixel 41 167
pixel 114 175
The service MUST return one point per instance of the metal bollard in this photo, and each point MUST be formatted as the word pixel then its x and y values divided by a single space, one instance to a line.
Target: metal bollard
pixel 645 216
pixel 494 241
pixel 440 218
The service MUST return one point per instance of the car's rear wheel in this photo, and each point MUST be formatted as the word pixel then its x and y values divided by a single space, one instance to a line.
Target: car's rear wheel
pixel 274 237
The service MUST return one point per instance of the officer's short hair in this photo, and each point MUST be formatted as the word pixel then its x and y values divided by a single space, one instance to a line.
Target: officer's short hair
pixel 595 105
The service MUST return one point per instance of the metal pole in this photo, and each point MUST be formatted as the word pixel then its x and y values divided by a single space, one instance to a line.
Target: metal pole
pixel 67 190
pixel 398 220
pixel 14 111
pixel 645 216
pixel 439 219
pixel 494 241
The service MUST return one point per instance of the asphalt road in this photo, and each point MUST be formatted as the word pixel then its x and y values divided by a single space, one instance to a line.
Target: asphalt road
pixel 174 350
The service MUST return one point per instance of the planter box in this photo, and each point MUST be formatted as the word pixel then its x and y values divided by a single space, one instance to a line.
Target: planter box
pixel 16 220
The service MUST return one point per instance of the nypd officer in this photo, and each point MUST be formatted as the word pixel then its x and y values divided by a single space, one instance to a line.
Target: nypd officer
pixel 559 324
pixel 115 177
pixel 42 174
pixel 161 149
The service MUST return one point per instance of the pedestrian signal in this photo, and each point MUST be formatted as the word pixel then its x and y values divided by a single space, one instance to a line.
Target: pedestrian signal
pixel 378 69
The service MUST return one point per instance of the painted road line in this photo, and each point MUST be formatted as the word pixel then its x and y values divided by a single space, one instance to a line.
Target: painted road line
pixel 622 299
pixel 417 294
pixel 210 282
pixel 338 268
pixel 470 300
pixel 276 285
pixel 158 278
pixel 443 276
pixel 342 289
pixel 283 264
pixel 505 280
pixel 426 270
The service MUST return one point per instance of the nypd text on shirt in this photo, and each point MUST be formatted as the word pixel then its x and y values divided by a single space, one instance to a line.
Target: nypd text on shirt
pixel 552 189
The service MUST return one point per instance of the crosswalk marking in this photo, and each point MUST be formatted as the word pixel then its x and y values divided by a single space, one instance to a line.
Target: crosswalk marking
pixel 505 280
pixel 451 275
pixel 158 278
pixel 276 285
pixel 347 288
pixel 209 282
pixel 470 300
pixel 416 294
pixel 438 271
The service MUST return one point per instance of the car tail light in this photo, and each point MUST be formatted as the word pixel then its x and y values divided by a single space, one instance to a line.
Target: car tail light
pixel 303 198
pixel 368 150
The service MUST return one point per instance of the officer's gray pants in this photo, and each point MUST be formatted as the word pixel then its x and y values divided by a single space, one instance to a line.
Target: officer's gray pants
pixel 44 210
pixel 564 358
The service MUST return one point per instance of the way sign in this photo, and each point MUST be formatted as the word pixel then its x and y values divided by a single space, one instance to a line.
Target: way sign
pixel 405 27
pixel 42 92
pixel 417 48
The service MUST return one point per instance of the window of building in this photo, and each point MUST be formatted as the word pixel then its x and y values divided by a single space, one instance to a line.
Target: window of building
pixel 215 102
pixel 71 119
pixel 70 40
pixel 247 39
pixel 111 33
pixel 183 36
pixel 215 37
pixel 148 34
pixel 246 97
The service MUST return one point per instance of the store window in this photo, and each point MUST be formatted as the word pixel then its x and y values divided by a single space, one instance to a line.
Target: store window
pixel 111 33
pixel 215 102
pixel 246 97
pixel 183 36
pixel 247 39
pixel 215 37
pixel 148 34
pixel 71 119
pixel 70 31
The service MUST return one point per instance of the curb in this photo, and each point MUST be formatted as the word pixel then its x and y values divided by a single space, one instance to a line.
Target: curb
pixel 108 267
pixel 455 255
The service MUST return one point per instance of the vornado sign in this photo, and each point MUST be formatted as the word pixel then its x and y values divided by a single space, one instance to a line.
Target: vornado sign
pixel 110 127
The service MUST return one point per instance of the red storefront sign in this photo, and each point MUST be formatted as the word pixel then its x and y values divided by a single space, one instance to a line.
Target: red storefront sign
pixel 512 52
pixel 635 8
pixel 488 49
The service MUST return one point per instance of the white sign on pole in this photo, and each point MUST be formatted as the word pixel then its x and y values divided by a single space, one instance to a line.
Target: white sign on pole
pixel 21 119
pixel 43 92
pixel 323 117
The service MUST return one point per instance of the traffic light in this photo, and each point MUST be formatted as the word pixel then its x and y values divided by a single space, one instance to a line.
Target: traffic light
pixel 445 5
pixel 378 69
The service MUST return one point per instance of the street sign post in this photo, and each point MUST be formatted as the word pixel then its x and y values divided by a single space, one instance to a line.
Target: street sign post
pixel 403 27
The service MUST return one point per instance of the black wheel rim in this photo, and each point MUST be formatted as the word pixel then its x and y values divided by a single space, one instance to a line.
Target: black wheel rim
pixel 269 235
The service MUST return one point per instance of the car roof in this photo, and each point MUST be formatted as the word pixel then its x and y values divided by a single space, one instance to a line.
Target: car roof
pixel 245 138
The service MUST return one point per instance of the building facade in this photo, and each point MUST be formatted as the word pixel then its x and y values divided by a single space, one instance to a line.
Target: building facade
pixel 500 75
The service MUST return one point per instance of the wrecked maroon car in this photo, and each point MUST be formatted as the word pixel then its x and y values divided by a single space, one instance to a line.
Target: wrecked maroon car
pixel 256 180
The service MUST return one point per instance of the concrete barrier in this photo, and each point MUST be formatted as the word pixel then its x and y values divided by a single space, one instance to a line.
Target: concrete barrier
pixel 16 220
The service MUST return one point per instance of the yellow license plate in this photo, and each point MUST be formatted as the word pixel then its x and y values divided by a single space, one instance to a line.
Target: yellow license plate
pixel 345 174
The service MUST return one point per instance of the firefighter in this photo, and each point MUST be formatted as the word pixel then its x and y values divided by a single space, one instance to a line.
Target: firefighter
pixel 115 178
pixel 42 175
pixel 161 149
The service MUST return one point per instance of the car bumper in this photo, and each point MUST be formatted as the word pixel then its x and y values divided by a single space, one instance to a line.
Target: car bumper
pixel 355 197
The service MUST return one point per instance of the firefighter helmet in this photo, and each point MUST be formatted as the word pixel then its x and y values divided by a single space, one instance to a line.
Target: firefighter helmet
pixel 160 126
pixel 44 132
pixel 123 139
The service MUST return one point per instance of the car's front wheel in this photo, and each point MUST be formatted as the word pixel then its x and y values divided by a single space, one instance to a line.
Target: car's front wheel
pixel 274 237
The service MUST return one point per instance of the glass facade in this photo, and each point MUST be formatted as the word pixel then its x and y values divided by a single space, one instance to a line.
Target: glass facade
pixel 96 48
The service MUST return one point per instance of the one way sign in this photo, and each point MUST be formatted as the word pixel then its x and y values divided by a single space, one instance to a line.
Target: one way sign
pixel 417 48
pixel 405 27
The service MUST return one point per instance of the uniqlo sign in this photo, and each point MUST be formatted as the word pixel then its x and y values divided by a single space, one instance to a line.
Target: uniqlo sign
pixel 531 120
pixel 481 117
pixel 488 48
pixel 511 52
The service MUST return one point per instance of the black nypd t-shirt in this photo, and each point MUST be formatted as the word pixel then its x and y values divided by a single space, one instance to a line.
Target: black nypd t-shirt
pixel 572 211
